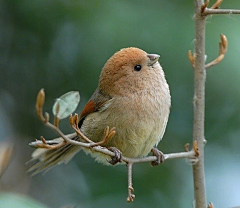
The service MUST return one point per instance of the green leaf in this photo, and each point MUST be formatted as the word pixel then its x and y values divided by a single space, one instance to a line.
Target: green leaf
pixel 66 104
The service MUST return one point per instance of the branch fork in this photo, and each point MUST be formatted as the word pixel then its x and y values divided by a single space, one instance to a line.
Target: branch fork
pixel 216 5
pixel 215 9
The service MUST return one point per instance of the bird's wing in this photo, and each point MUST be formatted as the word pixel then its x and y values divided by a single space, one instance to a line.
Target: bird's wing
pixel 94 104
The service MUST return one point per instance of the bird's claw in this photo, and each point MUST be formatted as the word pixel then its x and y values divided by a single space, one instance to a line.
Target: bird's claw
pixel 160 157
pixel 117 157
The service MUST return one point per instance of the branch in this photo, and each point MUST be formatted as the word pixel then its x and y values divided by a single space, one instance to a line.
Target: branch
pixel 220 11
pixel 199 105
pixel 131 196
pixel 215 9
pixel 217 4
pixel 108 134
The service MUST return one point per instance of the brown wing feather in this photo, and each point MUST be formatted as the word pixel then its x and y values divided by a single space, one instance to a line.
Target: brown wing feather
pixel 93 105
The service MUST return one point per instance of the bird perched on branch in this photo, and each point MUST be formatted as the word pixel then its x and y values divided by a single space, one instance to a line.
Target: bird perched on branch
pixel 132 96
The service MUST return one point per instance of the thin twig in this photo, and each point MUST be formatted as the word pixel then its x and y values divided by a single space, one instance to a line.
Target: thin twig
pixel 105 151
pixel 131 196
pixel 108 133
pixel 220 11
pixel 45 145
pixel 73 120
pixel 222 51
pixel 214 9
pixel 216 4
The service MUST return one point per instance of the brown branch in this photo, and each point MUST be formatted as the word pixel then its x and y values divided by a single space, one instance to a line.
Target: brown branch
pixel 45 145
pixel 73 120
pixel 103 150
pixel 216 4
pixel 108 134
pixel 199 106
pixel 131 196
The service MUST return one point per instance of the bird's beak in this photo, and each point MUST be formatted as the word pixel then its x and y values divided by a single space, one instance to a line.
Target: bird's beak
pixel 153 58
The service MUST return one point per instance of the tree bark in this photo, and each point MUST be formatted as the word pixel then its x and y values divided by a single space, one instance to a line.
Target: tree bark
pixel 199 106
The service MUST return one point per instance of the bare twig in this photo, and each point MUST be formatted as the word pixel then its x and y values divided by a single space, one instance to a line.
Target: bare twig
pixel 103 150
pixel 131 196
pixel 214 9
pixel 108 134
pixel 222 51
pixel 45 145
pixel 216 4
pixel 73 120
pixel 220 11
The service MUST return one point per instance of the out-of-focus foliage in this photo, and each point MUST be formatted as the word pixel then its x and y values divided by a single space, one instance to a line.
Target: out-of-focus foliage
pixel 61 45
pixel 20 201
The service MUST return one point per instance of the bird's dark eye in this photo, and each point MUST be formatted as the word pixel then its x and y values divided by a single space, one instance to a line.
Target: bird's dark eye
pixel 137 67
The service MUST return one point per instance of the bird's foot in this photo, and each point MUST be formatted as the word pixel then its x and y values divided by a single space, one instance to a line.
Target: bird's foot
pixel 117 157
pixel 160 157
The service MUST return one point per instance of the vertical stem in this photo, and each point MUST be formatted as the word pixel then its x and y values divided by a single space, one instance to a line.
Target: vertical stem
pixel 199 107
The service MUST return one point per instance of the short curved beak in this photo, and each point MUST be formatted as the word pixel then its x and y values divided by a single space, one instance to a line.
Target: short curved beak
pixel 153 58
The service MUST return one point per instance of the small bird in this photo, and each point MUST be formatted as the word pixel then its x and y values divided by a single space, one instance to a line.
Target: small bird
pixel 133 96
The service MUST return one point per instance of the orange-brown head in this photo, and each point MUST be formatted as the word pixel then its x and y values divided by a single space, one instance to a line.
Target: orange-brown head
pixel 128 71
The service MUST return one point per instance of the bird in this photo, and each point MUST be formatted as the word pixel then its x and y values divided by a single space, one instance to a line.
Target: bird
pixel 134 97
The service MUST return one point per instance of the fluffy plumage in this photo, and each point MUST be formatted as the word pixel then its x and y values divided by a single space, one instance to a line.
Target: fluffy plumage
pixel 132 96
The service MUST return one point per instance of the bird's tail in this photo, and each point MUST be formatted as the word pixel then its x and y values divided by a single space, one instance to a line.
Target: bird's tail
pixel 45 159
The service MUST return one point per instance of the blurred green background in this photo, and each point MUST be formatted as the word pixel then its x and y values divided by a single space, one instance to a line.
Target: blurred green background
pixel 61 45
